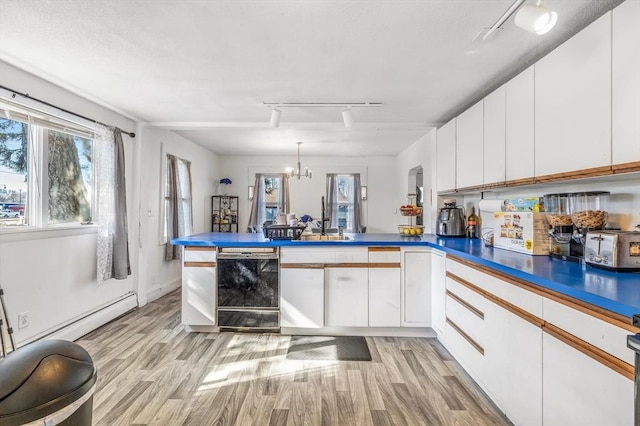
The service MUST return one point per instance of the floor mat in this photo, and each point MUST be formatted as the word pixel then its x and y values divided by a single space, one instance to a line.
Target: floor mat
pixel 329 348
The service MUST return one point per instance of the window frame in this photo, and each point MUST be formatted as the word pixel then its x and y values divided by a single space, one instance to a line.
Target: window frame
pixel 162 223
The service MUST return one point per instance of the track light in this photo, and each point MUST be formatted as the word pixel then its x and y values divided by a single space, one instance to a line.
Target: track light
pixel 275 117
pixel 536 18
pixel 347 117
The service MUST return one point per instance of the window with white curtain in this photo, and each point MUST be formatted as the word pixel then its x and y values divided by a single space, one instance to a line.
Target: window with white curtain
pixel 177 187
pixel 344 201
pixel 46 170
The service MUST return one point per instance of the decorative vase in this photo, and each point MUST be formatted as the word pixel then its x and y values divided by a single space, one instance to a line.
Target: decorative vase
pixel 224 189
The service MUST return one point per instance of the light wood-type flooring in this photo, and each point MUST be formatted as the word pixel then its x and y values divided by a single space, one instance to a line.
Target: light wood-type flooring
pixel 150 371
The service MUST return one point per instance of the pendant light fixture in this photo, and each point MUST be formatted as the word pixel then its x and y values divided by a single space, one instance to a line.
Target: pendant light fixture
pixel 536 18
pixel 298 171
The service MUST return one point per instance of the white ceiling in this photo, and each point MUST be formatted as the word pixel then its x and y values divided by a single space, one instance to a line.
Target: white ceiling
pixel 204 68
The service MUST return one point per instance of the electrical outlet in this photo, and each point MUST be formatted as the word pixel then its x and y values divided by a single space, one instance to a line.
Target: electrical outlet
pixel 23 320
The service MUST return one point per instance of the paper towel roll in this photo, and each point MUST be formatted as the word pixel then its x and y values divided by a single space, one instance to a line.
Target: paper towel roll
pixel 491 205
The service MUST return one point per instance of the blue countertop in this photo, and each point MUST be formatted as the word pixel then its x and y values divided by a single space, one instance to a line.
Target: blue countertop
pixel 618 292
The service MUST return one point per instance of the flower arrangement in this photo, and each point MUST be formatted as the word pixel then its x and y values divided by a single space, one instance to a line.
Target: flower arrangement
pixel 224 188
pixel 225 181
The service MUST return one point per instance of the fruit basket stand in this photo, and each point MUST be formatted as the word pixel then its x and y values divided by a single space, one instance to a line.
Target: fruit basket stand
pixel 411 210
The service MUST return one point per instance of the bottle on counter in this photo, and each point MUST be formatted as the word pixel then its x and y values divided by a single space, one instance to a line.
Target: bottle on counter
pixel 472 224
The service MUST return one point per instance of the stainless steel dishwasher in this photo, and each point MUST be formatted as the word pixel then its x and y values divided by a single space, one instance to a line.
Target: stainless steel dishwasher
pixel 248 288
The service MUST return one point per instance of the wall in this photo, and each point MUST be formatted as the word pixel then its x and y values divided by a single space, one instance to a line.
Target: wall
pixel 416 155
pixel 51 274
pixel 157 276
pixel 375 172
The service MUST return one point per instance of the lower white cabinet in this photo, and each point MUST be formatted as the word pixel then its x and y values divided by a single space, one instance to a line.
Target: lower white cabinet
pixel 417 288
pixel 346 296
pixel 302 297
pixel 384 297
pixel 581 391
pixel 199 283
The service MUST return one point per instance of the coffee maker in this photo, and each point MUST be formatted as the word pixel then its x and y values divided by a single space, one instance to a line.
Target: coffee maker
pixel 451 220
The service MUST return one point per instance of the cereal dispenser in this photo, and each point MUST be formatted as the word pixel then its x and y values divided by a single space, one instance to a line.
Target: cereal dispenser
pixel 558 215
pixel 589 211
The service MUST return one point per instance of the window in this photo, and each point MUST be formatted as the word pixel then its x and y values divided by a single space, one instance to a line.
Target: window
pixel 271 197
pixel 177 199
pixel 344 201
pixel 272 187
pixel 46 171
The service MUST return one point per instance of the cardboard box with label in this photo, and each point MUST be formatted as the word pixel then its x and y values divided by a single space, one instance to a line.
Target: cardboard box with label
pixel 524 232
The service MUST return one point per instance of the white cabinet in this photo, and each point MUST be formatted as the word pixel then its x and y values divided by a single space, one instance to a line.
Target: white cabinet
pixel 302 297
pixel 494 137
pixel 581 391
pixel 573 103
pixel 384 297
pixel 199 286
pixel 438 289
pixel 519 126
pixel 346 296
pixel 626 83
pixel 417 288
pixel 469 146
pixel 446 157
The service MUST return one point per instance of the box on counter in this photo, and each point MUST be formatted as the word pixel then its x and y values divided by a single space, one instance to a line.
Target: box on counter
pixel 525 204
pixel 524 232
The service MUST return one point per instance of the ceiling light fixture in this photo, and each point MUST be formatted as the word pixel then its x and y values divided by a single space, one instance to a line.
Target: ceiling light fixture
pixel 275 117
pixel 347 117
pixel 298 171
pixel 501 20
pixel 536 18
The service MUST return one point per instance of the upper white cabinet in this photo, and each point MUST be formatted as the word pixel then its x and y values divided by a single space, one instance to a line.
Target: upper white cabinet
pixel 519 126
pixel 573 103
pixel 494 137
pixel 469 146
pixel 626 83
pixel 446 157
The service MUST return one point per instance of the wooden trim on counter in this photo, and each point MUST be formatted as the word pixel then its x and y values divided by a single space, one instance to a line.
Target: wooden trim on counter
pixel 199 248
pixel 384 265
pixel 383 249
pixel 190 264
pixel 519 182
pixel 604 358
pixel 477 312
pixel 586 308
pixel 346 265
pixel 631 167
pixel 527 316
pixel 466 337
pixel 302 265
pixel 574 174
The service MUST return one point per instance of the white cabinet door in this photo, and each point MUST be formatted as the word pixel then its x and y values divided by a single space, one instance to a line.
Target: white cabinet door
pixel 519 126
pixel 469 146
pixel 346 296
pixel 626 83
pixel 494 137
pixel 417 288
pixel 438 291
pixel 446 157
pixel 581 391
pixel 573 103
pixel 384 297
pixel 199 281
pixel 302 297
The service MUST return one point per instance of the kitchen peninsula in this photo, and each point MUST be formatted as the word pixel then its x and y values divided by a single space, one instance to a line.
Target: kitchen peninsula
pixel 531 331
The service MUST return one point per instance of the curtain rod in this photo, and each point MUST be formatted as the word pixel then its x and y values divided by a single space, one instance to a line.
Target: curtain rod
pixel 26 95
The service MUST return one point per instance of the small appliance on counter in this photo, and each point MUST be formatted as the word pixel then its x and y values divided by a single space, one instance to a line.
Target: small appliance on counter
pixel 451 220
pixel 562 245
pixel 589 212
pixel 616 250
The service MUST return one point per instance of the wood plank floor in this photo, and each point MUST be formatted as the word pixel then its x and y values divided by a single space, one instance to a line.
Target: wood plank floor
pixel 152 372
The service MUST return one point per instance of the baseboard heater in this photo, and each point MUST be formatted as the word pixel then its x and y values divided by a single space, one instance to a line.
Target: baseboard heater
pixel 78 327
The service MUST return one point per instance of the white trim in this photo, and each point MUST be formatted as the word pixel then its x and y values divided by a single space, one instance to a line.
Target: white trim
pixel 27 233
pixel 158 292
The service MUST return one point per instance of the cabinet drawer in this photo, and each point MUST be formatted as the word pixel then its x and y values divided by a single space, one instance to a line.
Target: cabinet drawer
pixel 324 255
pixel 507 291
pixel 466 317
pixel 384 255
pixel 592 330
pixel 199 254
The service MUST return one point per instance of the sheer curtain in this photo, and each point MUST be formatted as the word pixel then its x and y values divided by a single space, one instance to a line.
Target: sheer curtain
pixel 178 211
pixel 111 206
pixel 351 199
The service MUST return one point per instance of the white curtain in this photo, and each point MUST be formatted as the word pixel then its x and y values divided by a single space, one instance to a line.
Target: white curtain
pixel 110 204
pixel 178 213
pixel 349 196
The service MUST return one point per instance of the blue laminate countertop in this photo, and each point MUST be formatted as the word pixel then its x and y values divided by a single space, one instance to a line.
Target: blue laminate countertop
pixel 618 292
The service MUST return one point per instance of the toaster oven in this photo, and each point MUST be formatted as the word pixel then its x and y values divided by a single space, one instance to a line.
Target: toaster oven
pixel 617 250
